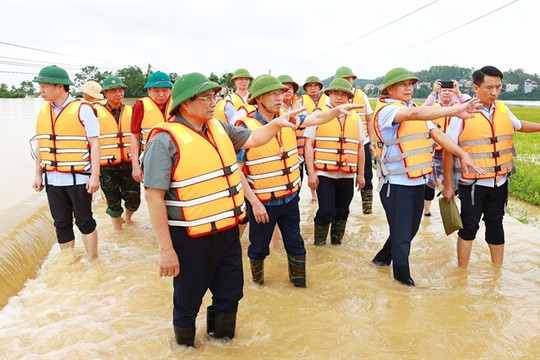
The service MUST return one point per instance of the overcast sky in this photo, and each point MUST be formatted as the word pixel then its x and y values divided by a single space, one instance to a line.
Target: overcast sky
pixel 299 38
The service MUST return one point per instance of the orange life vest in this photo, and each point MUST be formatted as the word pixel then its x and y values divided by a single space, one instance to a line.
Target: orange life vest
pixel 152 116
pixel 236 100
pixel 336 144
pixel 359 98
pixel 490 143
pixel 62 141
pixel 219 112
pixel 205 179
pixel 114 137
pixel 413 140
pixel 272 169
pixel 310 105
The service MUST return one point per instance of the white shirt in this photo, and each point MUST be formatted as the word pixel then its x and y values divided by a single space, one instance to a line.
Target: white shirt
pixel 91 126
pixel 456 128
pixel 388 129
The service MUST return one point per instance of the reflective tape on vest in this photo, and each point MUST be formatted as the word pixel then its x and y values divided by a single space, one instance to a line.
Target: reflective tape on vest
pixel 221 194
pixel 209 219
pixel 277 188
pixel 212 175
pixel 272 158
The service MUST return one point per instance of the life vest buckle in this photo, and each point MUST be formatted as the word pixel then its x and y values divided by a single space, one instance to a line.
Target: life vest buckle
pixel 289 186
pixel 227 170
pixel 497 168
pixel 340 151
pixel 493 140
pixel 284 155
pixel 496 153
pixel 232 190
pixel 286 171
pixel 379 144
pixel 237 211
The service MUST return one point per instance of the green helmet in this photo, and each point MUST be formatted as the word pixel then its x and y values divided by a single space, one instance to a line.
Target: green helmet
pixel 53 75
pixel 264 84
pixel 395 76
pixel 344 72
pixel 312 79
pixel 241 73
pixel 112 82
pixel 188 86
pixel 286 79
pixel 339 84
pixel 158 80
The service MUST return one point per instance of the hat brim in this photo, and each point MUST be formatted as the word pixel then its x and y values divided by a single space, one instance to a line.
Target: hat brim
pixel 397 80
pixel 159 84
pixel 209 85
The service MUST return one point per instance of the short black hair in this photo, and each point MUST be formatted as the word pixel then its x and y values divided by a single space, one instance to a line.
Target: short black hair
pixel 478 75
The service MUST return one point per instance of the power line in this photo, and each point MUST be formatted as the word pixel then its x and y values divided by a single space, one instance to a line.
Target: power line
pixel 442 34
pixel 368 33
pixel 50 52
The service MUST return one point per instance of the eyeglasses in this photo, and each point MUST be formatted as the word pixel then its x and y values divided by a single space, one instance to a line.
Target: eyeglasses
pixel 210 98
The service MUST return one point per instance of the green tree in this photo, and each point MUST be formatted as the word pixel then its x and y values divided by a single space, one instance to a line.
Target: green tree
pixel 134 79
pixel 27 88
pixel 88 73
pixel 174 76
pixel 13 93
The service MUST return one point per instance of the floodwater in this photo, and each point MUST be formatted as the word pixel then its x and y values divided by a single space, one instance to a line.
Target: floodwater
pixel 117 307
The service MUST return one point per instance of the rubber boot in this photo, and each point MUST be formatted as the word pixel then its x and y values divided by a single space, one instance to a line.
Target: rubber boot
pixel 297 269
pixel 257 270
pixel 320 233
pixel 337 231
pixel 185 336
pixel 224 326
pixel 367 201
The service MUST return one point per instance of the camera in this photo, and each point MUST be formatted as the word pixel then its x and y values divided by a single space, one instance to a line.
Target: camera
pixel 447 84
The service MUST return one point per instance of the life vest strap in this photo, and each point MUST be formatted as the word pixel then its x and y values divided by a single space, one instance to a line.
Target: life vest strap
pixel 406 154
pixel 385 172
pixel 288 186
pixel 508 165
pixel 209 219
pixel 272 158
pixel 491 140
pixel 228 170
pixel 285 171
pixel 493 154
pixel 233 190
pixel 403 139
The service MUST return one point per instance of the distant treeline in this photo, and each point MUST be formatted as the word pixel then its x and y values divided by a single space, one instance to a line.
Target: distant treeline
pixel 135 79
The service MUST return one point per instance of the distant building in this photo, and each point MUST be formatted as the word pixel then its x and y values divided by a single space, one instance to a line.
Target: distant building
pixel 529 86
pixel 511 87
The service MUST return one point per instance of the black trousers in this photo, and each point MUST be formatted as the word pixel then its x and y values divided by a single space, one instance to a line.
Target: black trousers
pixel 403 208
pixel 209 262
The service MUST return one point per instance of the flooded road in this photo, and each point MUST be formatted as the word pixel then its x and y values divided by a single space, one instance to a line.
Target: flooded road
pixel 117 307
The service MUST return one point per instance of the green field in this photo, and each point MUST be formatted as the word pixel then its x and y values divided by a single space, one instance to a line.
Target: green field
pixel 525 183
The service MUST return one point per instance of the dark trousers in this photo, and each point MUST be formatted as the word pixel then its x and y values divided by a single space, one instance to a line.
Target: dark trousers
pixel 403 208
pixel 209 262
pixel 287 217
pixel 66 202
pixel 488 201
pixel 368 169
pixel 335 196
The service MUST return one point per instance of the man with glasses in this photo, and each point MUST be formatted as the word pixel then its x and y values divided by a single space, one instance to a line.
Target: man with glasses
pixel 227 108
pixel 271 180
pixel 195 200
pixel 334 156
pixel 404 160
pixel 148 112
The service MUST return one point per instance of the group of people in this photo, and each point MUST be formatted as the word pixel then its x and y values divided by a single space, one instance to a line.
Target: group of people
pixel 212 166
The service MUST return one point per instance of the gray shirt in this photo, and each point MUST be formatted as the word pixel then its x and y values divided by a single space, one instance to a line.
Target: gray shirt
pixel 161 154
